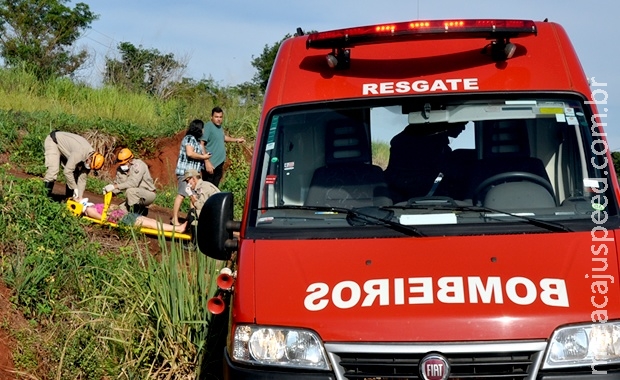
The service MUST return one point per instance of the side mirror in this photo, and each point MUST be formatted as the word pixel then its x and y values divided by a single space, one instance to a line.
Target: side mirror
pixel 216 226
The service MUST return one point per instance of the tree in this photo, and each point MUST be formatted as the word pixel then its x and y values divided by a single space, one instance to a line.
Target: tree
pixel 140 69
pixel 615 156
pixel 264 63
pixel 39 35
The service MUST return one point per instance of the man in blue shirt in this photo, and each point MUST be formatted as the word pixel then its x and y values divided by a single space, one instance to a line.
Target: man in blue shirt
pixel 213 139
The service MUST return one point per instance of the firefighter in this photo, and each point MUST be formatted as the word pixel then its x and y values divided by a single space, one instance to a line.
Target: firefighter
pixel 77 157
pixel 199 191
pixel 133 177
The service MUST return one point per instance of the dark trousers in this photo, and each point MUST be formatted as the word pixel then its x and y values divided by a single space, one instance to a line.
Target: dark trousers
pixel 216 177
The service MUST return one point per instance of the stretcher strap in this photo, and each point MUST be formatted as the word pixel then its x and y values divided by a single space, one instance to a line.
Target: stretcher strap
pixel 107 200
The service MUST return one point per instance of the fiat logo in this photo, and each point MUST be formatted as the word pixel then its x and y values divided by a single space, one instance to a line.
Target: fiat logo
pixel 434 367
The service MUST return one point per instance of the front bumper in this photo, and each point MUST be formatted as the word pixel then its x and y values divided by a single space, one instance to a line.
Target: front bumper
pixel 610 375
pixel 234 372
pixel 341 359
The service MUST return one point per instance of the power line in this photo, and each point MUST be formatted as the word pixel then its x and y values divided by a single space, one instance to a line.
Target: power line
pixel 112 39
pixel 95 41
pixel 103 34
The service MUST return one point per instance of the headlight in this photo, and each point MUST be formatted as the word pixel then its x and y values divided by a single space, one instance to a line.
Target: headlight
pixel 586 345
pixel 291 348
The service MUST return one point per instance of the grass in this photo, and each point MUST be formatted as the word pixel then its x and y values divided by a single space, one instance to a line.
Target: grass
pixel 110 118
pixel 100 305
pixel 380 154
pixel 99 310
pixel 21 91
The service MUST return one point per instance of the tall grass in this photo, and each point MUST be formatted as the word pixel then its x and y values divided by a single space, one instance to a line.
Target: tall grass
pixel 380 154
pixel 99 311
pixel 112 118
pixel 21 91
pixel 104 307
pixel 179 286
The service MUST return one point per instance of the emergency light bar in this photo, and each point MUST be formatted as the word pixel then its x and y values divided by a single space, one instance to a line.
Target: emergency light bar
pixel 420 30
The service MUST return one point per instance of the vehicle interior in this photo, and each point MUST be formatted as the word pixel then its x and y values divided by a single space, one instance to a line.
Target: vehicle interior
pixel 435 162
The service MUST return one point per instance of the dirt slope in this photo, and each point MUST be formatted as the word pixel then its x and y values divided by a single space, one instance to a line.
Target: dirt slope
pixel 8 317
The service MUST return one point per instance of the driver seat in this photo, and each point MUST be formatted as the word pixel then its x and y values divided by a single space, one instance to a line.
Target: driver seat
pixel 506 149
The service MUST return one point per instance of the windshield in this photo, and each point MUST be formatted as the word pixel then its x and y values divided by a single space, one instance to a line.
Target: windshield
pixel 444 165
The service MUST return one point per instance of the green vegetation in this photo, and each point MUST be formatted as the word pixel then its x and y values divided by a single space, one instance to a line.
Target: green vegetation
pixel 98 304
pixel 40 35
pixel 111 118
pixel 380 154
pixel 264 62
pixel 100 310
pixel 143 70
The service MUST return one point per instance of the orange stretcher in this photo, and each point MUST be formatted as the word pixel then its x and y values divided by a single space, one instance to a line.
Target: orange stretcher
pixel 77 208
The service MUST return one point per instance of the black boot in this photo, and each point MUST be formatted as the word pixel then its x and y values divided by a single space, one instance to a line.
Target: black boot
pixel 144 210
pixel 191 218
pixel 68 192
pixel 49 186
pixel 139 208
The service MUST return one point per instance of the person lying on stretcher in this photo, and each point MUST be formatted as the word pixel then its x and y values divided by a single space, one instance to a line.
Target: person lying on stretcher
pixel 119 216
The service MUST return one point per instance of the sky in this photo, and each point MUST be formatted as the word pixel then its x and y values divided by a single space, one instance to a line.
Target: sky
pixel 218 40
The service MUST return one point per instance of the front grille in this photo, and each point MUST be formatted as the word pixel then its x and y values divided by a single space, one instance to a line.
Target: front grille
pixel 467 364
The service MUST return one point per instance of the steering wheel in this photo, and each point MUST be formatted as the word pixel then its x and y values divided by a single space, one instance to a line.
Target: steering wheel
pixel 482 188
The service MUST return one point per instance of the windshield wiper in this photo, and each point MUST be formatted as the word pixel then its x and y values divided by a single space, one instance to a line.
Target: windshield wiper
pixel 548 225
pixel 446 203
pixel 359 216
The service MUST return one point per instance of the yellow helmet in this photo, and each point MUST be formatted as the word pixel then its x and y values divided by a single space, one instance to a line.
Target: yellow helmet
pixel 124 156
pixel 96 161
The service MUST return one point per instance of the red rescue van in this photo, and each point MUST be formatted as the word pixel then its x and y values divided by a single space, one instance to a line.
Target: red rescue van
pixel 428 200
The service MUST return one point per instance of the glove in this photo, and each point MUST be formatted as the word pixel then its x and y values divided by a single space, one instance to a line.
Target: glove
pixel 76 195
pixel 108 188
pixel 188 190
